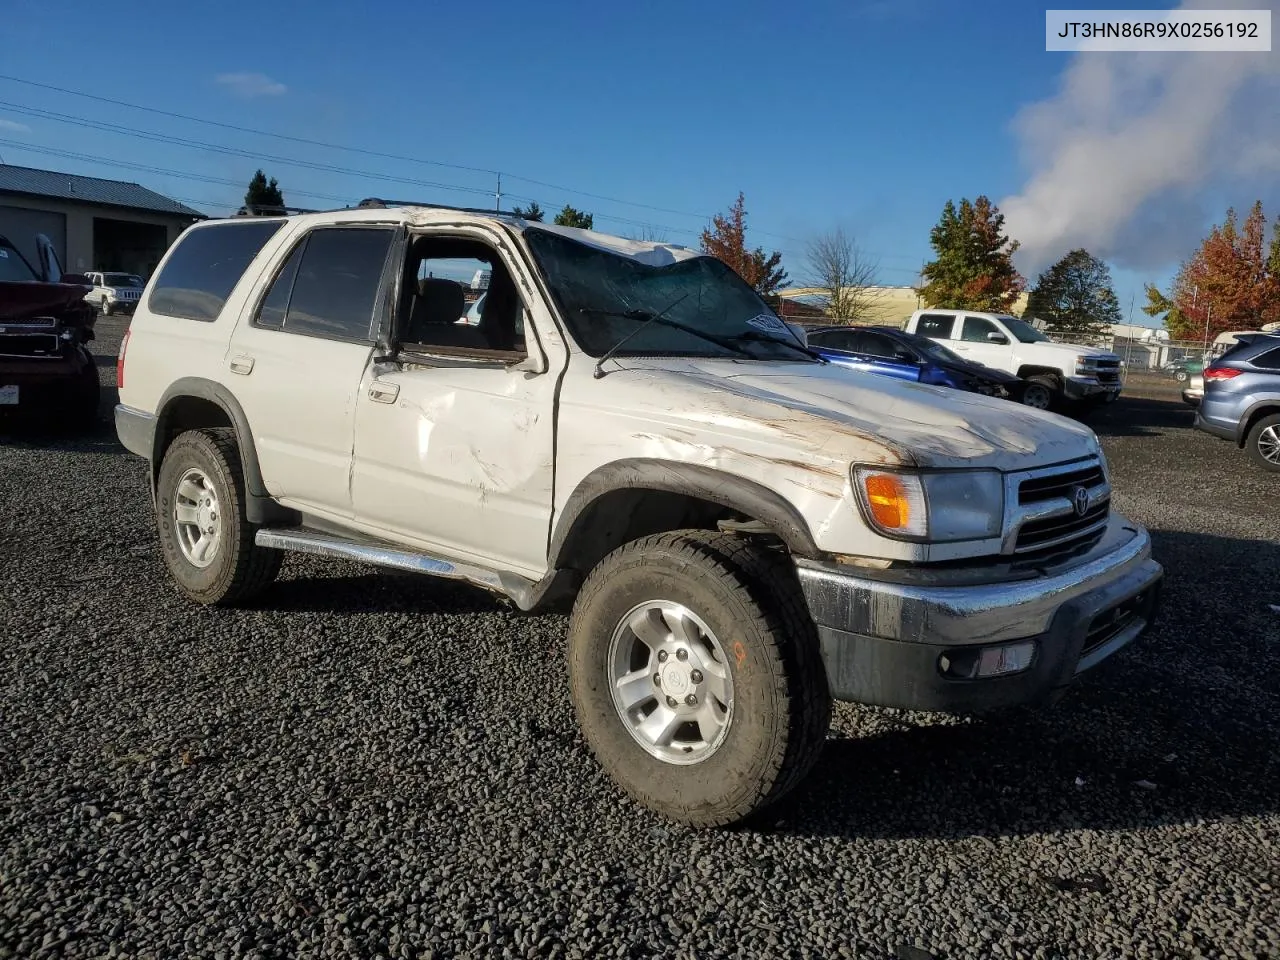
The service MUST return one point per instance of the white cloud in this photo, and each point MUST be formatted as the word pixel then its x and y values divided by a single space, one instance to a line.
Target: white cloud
pixel 13 126
pixel 1125 158
pixel 250 85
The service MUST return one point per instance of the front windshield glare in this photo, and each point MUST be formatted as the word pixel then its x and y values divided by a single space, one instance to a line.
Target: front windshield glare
pixel 605 296
pixel 1023 330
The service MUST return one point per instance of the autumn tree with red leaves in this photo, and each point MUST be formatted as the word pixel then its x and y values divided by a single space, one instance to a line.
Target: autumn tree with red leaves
pixel 726 239
pixel 974 268
pixel 1231 283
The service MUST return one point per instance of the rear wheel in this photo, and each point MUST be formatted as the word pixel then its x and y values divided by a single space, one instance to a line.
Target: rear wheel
pixel 208 544
pixel 1264 443
pixel 695 674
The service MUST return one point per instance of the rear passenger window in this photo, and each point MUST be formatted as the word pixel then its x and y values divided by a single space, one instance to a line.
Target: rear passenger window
pixel 335 283
pixel 1269 360
pixel 205 267
pixel 936 325
pixel 878 345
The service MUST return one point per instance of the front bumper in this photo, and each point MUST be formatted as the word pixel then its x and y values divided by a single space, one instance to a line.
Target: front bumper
pixel 122 306
pixel 40 383
pixel 888 643
pixel 1089 388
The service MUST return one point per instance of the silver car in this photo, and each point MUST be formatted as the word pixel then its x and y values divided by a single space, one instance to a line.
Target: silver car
pixel 1193 392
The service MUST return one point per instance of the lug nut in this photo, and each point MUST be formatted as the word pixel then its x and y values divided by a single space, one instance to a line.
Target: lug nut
pixel 682 654
pixel 657 679
pixel 662 656
pixel 691 700
pixel 671 702
pixel 695 676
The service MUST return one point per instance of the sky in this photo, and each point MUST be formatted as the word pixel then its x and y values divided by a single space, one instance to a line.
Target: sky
pixel 862 114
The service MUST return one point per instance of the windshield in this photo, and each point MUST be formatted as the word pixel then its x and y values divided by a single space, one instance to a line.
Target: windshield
pixel 605 296
pixel 1023 330
pixel 932 349
pixel 13 268
pixel 121 280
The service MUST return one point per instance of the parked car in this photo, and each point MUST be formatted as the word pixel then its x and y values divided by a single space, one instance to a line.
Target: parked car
pixel 46 370
pixel 472 317
pixel 1057 374
pixel 114 292
pixel 1193 392
pixel 904 356
pixel 1242 397
pixel 744 531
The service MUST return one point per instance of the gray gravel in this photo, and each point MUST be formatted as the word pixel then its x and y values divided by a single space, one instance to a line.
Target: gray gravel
pixel 373 765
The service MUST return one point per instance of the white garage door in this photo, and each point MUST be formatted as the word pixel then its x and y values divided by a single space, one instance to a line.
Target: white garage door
pixel 21 226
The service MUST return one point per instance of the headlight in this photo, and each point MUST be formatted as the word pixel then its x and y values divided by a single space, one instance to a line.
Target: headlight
pixel 938 506
pixel 1086 365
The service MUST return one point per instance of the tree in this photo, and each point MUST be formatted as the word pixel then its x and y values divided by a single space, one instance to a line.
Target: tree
pixel 532 213
pixel 648 234
pixel 262 196
pixel 974 268
pixel 569 217
pixel 726 239
pixel 844 274
pixel 1075 297
pixel 1227 284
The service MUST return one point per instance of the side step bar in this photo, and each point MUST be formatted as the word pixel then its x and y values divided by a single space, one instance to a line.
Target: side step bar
pixel 301 540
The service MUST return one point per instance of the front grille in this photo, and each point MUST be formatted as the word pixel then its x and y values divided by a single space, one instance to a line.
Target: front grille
pixel 29 345
pixel 1109 624
pixel 1039 489
pixel 1052 531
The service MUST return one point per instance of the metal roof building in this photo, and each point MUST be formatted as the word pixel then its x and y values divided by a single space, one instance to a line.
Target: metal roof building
pixel 95 224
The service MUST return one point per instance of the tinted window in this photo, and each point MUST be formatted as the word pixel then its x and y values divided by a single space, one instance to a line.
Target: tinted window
pixel 835 339
pixel 337 282
pixel 935 325
pixel 878 345
pixel 976 329
pixel 13 268
pixel 1269 360
pixel 204 269
pixel 272 310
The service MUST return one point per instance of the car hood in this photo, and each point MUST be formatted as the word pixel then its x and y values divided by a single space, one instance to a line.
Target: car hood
pixel 1071 350
pixel 22 302
pixel 836 411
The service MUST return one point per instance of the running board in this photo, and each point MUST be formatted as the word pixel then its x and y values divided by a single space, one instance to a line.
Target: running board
pixel 301 540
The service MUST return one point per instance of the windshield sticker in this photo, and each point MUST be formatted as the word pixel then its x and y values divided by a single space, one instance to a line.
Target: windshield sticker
pixel 768 323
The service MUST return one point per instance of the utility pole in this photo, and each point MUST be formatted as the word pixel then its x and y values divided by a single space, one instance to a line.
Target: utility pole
pixel 497 197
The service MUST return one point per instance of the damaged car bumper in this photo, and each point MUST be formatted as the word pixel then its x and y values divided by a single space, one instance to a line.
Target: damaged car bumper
pixel 973 640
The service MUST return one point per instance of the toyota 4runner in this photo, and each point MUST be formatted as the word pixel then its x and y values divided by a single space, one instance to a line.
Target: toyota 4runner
pixel 744 531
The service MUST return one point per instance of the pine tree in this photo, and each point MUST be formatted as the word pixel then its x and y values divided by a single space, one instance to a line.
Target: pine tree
pixel 973 269
pixel 1075 297
pixel 569 217
pixel 532 213
pixel 726 239
pixel 264 197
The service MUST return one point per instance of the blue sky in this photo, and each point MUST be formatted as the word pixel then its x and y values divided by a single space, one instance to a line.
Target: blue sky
pixel 867 114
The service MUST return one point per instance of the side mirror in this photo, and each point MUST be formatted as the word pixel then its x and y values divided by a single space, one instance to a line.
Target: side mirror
pixel 997 337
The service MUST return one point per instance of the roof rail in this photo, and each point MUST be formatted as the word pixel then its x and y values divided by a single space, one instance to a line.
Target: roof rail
pixel 266 210
pixel 379 203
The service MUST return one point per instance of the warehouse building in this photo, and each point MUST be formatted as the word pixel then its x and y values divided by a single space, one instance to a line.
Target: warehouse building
pixel 94 224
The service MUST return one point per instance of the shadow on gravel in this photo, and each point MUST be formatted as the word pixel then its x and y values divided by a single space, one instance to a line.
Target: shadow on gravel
pixel 1183 727
pixel 1140 417
pixel 35 435
pixel 377 592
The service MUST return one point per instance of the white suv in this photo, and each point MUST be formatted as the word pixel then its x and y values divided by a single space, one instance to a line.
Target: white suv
pixel 745 532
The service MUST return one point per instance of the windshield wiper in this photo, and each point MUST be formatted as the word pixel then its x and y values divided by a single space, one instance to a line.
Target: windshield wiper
pixel 759 336
pixel 646 318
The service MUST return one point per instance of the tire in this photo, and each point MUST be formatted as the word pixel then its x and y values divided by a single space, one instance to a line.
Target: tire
pixel 233 567
pixel 1182 376
pixel 106 307
pixel 1264 443
pixel 779 703
pixel 88 395
pixel 1041 392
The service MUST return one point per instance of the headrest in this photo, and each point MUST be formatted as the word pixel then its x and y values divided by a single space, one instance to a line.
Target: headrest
pixel 442 301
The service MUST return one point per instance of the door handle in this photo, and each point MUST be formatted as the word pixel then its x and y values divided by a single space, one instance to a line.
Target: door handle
pixel 242 365
pixel 384 392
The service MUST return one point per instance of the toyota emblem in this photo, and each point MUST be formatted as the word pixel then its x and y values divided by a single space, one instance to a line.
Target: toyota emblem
pixel 1080 501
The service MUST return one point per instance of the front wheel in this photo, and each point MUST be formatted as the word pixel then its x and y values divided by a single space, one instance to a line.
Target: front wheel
pixel 1040 392
pixel 1264 443
pixel 208 544
pixel 696 677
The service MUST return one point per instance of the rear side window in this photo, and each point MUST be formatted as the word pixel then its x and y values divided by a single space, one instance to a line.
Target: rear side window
pixel 1269 360
pixel 878 345
pixel 336 282
pixel 205 267
pixel 935 325
pixel 835 339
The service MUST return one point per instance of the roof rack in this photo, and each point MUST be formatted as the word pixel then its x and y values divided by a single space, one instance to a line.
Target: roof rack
pixel 379 203
pixel 265 210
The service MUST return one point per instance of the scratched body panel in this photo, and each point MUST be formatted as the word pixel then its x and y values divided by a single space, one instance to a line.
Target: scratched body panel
pixel 796 429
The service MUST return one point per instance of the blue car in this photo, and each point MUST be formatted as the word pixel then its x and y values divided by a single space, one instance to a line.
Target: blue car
pixel 891 352
pixel 1241 400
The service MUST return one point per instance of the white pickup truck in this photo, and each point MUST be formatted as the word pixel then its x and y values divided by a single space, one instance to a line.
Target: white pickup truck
pixel 744 531
pixel 1057 374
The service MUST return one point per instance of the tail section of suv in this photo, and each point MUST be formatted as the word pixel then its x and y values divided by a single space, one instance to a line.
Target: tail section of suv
pixel 745 532
pixel 1241 400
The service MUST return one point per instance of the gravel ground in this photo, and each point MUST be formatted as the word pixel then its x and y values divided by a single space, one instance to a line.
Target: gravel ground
pixel 374 765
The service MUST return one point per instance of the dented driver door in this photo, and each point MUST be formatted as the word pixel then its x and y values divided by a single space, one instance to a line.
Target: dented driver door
pixel 456 454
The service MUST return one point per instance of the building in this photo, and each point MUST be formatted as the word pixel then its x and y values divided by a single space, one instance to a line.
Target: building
pixel 94 224
pixel 892 305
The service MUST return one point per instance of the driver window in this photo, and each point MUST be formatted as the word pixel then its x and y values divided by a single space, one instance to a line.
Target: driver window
pixel 977 328
pixel 459 299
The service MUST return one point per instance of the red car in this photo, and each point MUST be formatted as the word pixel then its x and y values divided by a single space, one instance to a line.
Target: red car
pixel 46 370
